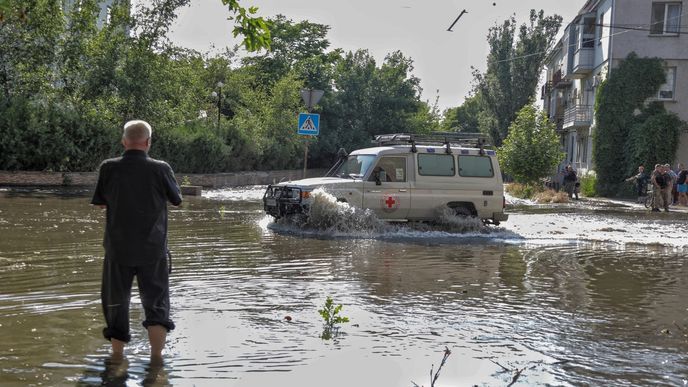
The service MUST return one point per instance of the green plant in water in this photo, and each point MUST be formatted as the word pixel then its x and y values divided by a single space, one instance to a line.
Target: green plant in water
pixel 186 180
pixel 221 210
pixel 330 313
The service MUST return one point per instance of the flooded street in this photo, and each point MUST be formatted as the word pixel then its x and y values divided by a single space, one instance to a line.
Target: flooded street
pixel 590 293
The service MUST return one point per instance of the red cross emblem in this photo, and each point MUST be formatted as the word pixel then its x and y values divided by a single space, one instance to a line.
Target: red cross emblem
pixel 389 203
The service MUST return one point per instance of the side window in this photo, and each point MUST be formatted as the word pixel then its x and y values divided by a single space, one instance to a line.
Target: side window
pixel 475 166
pixel 436 165
pixel 390 169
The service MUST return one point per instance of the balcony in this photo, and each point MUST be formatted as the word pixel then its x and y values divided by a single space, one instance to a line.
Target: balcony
pixel 560 82
pixel 582 62
pixel 577 116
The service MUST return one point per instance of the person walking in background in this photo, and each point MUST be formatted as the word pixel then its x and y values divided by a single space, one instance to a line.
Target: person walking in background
pixel 134 189
pixel 570 181
pixel 663 187
pixel 682 185
pixel 674 176
pixel 640 179
pixel 671 177
pixel 658 183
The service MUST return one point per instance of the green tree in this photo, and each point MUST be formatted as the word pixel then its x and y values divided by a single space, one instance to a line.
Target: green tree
pixel 531 150
pixel 514 64
pixel 618 101
pixel 292 44
pixel 464 118
pixel 654 138
pixel 29 33
pixel 368 100
pixel 254 29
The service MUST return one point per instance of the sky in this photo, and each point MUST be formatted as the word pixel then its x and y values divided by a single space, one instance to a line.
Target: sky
pixel 442 59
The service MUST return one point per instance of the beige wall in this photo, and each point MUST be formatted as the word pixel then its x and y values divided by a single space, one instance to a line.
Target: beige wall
pixel 674 50
pixel 638 13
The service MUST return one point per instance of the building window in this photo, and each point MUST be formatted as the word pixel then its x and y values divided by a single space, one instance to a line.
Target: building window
pixel 666 91
pixel 666 18
pixel 588 39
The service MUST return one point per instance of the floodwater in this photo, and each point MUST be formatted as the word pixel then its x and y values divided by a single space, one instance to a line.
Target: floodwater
pixel 590 293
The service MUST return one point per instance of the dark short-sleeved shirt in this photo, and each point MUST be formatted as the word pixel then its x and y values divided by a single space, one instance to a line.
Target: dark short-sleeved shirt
pixel 682 177
pixel 136 188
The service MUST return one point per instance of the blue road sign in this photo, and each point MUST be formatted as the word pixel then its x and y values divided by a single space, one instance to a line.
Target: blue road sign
pixel 309 124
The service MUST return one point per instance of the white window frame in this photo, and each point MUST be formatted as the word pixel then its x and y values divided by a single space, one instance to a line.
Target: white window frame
pixel 669 85
pixel 664 31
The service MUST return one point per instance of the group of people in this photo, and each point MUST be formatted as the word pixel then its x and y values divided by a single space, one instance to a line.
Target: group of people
pixel 669 186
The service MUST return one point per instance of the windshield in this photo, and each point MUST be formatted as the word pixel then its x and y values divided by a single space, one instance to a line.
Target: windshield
pixel 355 166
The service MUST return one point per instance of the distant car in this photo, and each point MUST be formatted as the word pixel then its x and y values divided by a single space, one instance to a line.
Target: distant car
pixel 406 177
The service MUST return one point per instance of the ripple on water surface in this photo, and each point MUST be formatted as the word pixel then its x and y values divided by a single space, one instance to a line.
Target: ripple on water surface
pixel 564 295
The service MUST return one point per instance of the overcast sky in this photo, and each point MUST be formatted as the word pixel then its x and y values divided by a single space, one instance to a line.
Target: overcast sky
pixel 442 59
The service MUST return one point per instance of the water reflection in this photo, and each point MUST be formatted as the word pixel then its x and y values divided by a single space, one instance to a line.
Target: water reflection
pixel 603 309
pixel 118 371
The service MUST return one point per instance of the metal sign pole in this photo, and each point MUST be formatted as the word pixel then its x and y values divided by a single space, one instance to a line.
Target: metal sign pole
pixel 310 98
pixel 305 159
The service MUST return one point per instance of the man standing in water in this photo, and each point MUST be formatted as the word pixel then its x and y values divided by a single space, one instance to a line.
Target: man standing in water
pixel 135 189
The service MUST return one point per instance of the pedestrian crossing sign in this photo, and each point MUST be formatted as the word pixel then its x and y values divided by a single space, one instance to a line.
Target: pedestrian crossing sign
pixel 309 124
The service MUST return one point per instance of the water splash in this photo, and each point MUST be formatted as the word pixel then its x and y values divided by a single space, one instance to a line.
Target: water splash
pixel 329 216
pixel 332 216
pixel 448 221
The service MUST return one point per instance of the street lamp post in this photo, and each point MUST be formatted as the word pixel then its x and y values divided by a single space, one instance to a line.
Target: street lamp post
pixel 218 94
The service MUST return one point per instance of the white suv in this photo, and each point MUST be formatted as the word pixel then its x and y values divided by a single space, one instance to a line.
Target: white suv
pixel 406 178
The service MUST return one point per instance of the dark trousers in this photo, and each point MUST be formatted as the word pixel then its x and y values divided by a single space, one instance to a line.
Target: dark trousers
pixel 153 284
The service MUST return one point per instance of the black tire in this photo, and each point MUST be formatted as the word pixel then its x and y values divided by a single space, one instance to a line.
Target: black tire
pixel 463 211
pixel 648 201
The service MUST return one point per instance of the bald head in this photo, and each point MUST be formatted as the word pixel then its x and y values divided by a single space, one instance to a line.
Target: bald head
pixel 137 135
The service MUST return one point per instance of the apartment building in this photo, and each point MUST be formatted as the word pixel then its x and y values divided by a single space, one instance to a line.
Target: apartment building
pixel 103 15
pixel 602 34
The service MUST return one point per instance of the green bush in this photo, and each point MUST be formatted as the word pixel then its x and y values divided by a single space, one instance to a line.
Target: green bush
pixel 50 135
pixel 588 184
pixel 191 148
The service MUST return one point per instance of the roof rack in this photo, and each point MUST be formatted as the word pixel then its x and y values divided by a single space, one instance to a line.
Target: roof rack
pixel 473 140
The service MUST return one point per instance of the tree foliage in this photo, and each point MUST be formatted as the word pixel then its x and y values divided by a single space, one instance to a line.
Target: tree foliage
pixel 531 150
pixel 630 131
pixel 255 30
pixel 514 64
pixel 68 86
pixel 464 118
